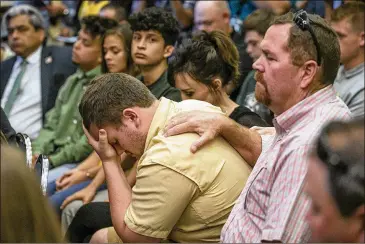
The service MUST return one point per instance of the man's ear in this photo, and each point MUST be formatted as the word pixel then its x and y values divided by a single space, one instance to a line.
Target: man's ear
pixel 42 34
pixel 130 116
pixel 308 73
pixel 362 41
pixel 226 17
pixel 358 223
pixel 168 51
pixel 216 84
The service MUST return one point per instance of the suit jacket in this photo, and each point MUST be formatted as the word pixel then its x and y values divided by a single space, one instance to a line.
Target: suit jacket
pixel 6 127
pixel 56 65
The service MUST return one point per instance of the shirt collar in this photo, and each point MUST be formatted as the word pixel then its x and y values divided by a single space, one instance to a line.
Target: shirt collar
pixel 162 80
pixel 33 58
pixel 89 74
pixel 352 72
pixel 285 121
pixel 141 78
pixel 159 120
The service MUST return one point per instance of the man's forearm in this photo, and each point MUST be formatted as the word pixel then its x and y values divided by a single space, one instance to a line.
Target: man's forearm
pixel 91 161
pixel 120 195
pixel 247 142
pixel 131 178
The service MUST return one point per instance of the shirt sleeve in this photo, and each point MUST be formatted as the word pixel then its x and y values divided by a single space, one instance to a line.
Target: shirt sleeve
pixel 267 136
pixel 72 153
pixel 159 198
pixel 356 105
pixel 46 134
pixel 287 206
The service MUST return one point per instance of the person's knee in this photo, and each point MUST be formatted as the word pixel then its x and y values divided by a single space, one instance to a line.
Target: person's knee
pixel 101 236
pixel 69 213
pixel 72 208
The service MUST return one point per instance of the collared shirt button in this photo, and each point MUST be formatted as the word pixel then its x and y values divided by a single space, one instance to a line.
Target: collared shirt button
pixel 74 121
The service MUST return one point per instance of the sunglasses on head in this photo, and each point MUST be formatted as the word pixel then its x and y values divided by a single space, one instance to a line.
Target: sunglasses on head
pixel 302 20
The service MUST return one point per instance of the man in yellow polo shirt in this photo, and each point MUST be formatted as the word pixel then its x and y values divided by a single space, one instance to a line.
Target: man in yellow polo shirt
pixel 178 196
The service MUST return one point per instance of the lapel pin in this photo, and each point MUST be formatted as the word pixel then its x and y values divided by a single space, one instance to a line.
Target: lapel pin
pixel 48 60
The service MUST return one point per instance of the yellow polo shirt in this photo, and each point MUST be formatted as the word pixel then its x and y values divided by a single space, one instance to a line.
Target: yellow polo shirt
pixel 178 195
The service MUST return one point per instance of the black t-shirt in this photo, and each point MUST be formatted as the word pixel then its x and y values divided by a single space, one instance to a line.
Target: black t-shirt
pixel 246 117
pixel 162 88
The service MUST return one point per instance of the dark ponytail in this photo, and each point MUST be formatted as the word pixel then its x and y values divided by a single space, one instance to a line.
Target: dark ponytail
pixel 206 57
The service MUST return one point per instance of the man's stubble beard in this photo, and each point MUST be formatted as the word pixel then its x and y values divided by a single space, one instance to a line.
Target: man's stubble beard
pixel 262 96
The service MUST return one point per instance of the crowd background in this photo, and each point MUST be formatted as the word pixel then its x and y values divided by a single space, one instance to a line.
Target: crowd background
pixel 51 51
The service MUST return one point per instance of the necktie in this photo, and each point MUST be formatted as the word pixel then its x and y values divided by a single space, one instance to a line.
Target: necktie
pixel 14 91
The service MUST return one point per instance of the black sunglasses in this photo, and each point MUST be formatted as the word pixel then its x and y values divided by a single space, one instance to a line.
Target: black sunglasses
pixel 302 20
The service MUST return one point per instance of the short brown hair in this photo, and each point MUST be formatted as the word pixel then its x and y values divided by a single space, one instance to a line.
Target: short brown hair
pixel 302 47
pixel 353 11
pixel 259 21
pixel 108 95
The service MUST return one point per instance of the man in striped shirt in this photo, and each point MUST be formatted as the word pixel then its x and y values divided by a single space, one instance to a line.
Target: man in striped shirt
pixel 295 76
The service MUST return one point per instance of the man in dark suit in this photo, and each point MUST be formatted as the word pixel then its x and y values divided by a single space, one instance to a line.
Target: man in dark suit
pixel 30 81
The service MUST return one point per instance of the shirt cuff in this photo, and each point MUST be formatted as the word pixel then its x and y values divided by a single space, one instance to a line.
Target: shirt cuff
pixel 144 230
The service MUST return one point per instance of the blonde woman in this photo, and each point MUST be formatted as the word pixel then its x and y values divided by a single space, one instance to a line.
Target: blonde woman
pixel 26 215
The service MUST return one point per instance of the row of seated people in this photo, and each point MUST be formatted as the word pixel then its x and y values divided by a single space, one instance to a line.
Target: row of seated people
pixel 195 77
pixel 132 221
pixel 334 183
pixel 63 17
pixel 53 134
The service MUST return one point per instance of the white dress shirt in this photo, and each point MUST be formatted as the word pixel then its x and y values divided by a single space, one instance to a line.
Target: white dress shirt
pixel 26 113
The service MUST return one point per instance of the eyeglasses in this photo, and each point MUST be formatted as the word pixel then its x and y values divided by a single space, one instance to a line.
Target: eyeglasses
pixel 302 20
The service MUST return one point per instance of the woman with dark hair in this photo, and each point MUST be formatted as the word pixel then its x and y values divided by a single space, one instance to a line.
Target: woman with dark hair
pixel 205 67
pixel 116 49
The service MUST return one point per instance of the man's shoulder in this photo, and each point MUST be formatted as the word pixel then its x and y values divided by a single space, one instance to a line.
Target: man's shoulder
pixel 8 62
pixel 58 50
pixel 307 130
pixel 201 167
pixel 61 55
pixel 191 105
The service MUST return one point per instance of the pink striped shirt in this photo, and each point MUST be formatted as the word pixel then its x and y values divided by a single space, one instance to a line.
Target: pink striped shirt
pixel 272 206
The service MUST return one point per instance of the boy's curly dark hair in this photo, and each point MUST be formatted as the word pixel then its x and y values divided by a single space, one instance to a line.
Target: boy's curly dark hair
pixel 207 56
pixel 156 19
pixel 97 26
